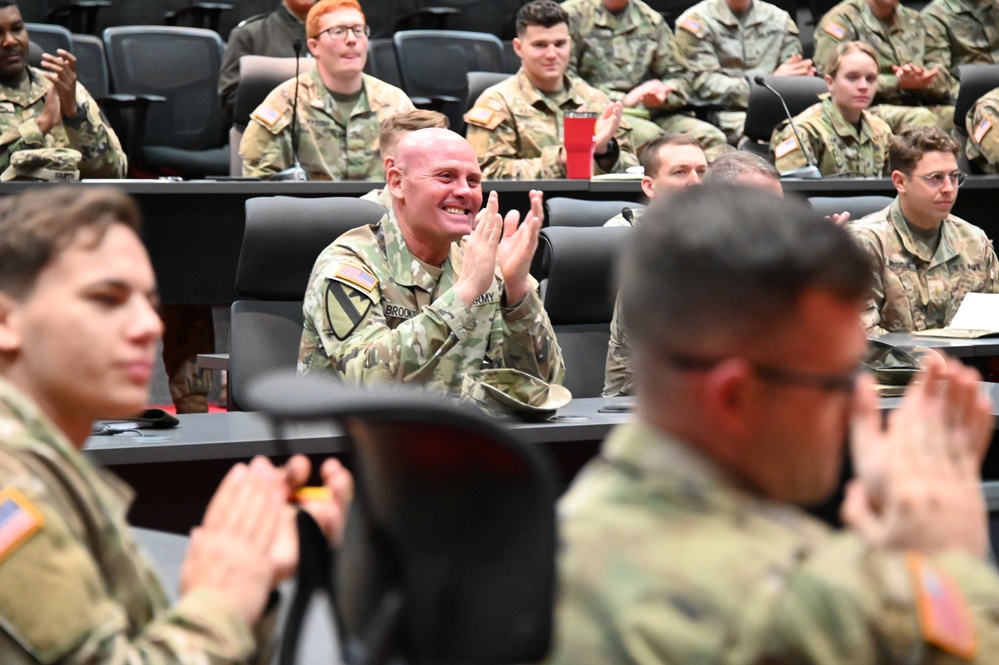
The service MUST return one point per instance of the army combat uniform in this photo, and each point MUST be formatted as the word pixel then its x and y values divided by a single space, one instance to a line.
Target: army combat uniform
pixel 76 589
pixel 968 31
pixel 983 133
pixel 914 287
pixel 86 132
pixel 374 313
pixel 833 143
pixel 616 53
pixel 269 34
pixel 327 149
pixel 664 559
pixel 723 49
pixel 516 130
pixel 903 42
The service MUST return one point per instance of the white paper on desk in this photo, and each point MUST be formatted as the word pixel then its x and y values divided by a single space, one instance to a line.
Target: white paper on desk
pixel 978 311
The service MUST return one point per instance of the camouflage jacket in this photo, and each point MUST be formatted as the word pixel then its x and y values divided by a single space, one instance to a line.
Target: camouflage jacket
pixel 76 587
pixel 517 131
pixel 983 132
pixel 914 290
pixel 722 50
pixel 326 149
pixel 88 132
pixel 269 34
pixel 905 42
pixel 833 142
pixel 967 31
pixel 616 53
pixel 375 313
pixel 664 560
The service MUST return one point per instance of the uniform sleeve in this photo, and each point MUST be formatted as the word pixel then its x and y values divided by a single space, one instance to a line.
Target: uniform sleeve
pixel 266 144
pixel 529 342
pixel 938 42
pixel 617 373
pixel 872 311
pixel 991 266
pixel 791 44
pixel 493 133
pixel 937 54
pixel 709 83
pixel 788 153
pixel 831 31
pixel 670 65
pixel 983 134
pixel 25 136
pixel 96 141
pixel 237 46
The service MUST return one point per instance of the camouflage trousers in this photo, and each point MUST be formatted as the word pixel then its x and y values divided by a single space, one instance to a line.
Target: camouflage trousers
pixel 900 117
pixel 711 138
pixel 188 331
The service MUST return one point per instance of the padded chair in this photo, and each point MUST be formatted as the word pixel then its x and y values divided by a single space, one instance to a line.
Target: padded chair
pixel 92 65
pixel 281 241
pixel 78 16
pixel 565 211
pixel 187 134
pixel 34 54
pixel 579 298
pixel 449 553
pixel 258 76
pixel 200 14
pixel 478 82
pixel 382 63
pixel 511 61
pixel 765 111
pixel 435 64
pixel 857 206
pixel 495 17
pixel 51 37
pixel 975 81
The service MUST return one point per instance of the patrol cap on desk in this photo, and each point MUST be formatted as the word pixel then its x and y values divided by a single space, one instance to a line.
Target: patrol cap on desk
pixel 507 391
pixel 45 164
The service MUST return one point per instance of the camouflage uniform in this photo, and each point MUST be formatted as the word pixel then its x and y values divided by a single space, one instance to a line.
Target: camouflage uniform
pixel 833 142
pixel 616 53
pixel 967 30
pixel 326 150
pixel 516 130
pixel 904 42
pixel 983 133
pixel 264 34
pixel 723 49
pixel 666 560
pixel 375 313
pixel 87 132
pixel 77 589
pixel 914 289
pixel 618 377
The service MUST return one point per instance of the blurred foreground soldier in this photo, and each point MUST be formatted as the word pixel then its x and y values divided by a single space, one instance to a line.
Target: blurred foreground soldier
pixel 45 109
pixel 78 335
pixel 272 34
pixel 967 31
pixel 625 49
pixel 683 541
pixel 394 129
pixel 924 259
pixel 516 125
pixel 983 133
pixel 745 168
pixel 403 302
pixel 340 108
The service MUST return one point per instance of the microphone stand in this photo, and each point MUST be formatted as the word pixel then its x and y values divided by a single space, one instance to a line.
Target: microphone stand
pixel 811 171
pixel 295 172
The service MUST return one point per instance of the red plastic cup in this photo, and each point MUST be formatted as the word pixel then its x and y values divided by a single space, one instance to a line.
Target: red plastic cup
pixel 577 137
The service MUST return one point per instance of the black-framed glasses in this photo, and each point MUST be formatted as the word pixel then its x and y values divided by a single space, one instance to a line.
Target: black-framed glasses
pixel 936 180
pixel 842 383
pixel 339 32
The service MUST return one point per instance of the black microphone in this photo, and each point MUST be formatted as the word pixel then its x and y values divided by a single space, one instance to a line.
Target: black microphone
pixel 295 172
pixel 629 215
pixel 811 171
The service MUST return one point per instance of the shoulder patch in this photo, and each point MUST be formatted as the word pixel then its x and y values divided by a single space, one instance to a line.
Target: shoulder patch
pixel 944 618
pixel 786 147
pixel 356 276
pixel 346 307
pixel 691 25
pixel 481 116
pixel 835 29
pixel 19 520
pixel 266 115
pixel 982 129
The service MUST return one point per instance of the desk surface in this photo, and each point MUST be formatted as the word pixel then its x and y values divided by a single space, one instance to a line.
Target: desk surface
pixel 959 348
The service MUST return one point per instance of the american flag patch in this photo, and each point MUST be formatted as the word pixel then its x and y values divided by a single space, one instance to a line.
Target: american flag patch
pixel 982 129
pixel 943 615
pixel 835 29
pixel 691 24
pixel 355 275
pixel 266 115
pixel 18 521
pixel 785 147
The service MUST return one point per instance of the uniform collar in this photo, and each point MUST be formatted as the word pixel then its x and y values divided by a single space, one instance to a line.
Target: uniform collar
pixel 724 15
pixel 322 98
pixel 627 20
pixel 285 14
pixel 405 268
pixel 945 249
pixel 535 96
pixel 34 87
pixel 847 129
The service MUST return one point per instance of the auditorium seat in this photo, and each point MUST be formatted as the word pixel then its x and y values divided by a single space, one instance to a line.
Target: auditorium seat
pixel 857 206
pixel 765 110
pixel 565 211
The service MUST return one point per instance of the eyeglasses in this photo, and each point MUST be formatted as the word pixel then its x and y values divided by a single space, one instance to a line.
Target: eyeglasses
pixel 340 31
pixel 936 180
pixel 842 383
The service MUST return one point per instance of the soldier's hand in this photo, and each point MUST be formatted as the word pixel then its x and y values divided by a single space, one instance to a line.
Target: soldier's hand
pixel 796 65
pixel 51 114
pixel 230 552
pixel 61 70
pixel 914 77
pixel 606 127
pixel 479 264
pixel 517 248
pixel 651 94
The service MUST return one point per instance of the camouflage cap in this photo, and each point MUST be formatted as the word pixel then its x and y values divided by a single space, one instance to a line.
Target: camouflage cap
pixel 891 365
pixel 508 391
pixel 46 164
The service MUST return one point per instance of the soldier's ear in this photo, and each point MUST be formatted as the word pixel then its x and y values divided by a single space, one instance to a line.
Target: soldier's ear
pixel 648 186
pixel 10 331
pixel 898 179
pixel 516 46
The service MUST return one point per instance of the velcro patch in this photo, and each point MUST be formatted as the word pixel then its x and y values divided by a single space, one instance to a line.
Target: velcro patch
pixel 692 25
pixel 835 29
pixel 786 147
pixel 982 129
pixel 266 115
pixel 355 275
pixel 19 520
pixel 480 116
pixel 944 618
pixel 346 308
